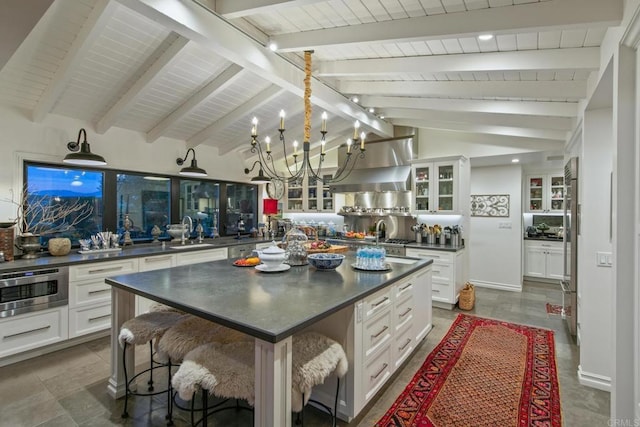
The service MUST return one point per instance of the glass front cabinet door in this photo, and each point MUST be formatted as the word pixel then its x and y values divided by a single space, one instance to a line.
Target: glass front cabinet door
pixel 435 187
pixel 295 196
pixel 545 193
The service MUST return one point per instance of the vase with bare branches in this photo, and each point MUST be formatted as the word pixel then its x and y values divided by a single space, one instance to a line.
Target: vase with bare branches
pixel 45 215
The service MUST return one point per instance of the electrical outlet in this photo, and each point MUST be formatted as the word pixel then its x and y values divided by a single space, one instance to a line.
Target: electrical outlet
pixel 506 225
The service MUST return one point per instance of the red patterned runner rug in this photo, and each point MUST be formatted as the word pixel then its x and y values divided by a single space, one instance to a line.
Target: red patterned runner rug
pixel 483 373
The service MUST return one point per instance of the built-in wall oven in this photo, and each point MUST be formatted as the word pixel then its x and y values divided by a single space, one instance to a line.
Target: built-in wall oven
pixel 31 290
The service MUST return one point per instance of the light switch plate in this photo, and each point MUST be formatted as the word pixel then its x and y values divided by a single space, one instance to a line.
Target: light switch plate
pixel 604 259
pixel 506 225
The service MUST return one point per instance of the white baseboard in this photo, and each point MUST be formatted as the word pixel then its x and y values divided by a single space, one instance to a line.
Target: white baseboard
pixel 594 380
pixel 500 286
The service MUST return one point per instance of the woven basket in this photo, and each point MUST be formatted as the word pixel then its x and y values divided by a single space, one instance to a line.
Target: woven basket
pixel 467 297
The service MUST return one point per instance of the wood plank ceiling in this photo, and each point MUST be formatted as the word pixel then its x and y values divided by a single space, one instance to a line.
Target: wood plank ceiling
pixel 199 70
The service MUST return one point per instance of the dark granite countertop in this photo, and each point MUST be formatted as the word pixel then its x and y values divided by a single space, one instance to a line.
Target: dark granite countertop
pixel 135 251
pixel 415 245
pixel 269 306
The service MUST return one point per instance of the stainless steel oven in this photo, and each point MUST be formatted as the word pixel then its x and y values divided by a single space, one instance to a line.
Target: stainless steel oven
pixel 31 290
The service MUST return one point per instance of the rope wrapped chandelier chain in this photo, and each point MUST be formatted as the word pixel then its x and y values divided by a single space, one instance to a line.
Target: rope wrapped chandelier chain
pixel 296 171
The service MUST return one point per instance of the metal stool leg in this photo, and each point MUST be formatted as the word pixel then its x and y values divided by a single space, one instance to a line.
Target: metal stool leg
pixel 335 405
pixel 169 416
pixel 150 382
pixel 125 414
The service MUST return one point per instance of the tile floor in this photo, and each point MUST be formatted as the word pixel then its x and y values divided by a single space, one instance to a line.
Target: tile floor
pixel 68 388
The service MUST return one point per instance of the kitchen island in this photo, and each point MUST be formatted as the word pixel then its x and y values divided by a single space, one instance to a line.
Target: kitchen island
pixel 271 307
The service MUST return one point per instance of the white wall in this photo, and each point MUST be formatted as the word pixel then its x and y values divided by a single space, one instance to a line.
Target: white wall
pixel 121 148
pixel 494 252
pixel 594 283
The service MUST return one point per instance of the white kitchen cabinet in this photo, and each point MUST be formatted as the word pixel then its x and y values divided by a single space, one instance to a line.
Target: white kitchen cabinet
pixel 440 186
pixel 194 257
pixel 545 193
pixel 543 259
pixel 33 330
pixel 448 274
pixel 149 263
pixel 90 296
pixel 310 195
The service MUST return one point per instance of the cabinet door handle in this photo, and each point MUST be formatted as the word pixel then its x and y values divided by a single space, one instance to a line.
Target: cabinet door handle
pixel 157 258
pixel 437 291
pixel 380 333
pixel 374 305
pixel 384 367
pixel 44 328
pixel 99 291
pixel 405 287
pixel 406 312
pixel 93 319
pixel 102 270
pixel 403 346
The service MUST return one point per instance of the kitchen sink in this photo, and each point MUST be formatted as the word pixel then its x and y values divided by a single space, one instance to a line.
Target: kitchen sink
pixel 401 260
pixel 196 245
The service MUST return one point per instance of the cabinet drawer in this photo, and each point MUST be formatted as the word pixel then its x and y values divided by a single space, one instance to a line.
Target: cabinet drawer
pixel 435 255
pixel 201 256
pixel 377 333
pixel 441 291
pixel 156 262
pixel 403 313
pixel 92 292
pixel 403 290
pixel 87 320
pixel 442 271
pixel 102 269
pixel 29 331
pixel 376 372
pixel 377 303
pixel 403 345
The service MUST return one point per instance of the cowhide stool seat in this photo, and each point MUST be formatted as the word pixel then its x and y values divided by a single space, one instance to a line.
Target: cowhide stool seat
pixel 227 371
pixel 192 332
pixel 142 329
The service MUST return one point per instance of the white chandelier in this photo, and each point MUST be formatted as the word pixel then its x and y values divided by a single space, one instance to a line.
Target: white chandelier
pixel 297 171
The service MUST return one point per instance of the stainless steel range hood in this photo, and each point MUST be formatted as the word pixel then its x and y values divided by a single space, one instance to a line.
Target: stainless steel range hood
pixel 385 167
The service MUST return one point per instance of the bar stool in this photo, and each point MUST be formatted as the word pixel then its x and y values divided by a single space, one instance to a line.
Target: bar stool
pixel 189 333
pixel 227 371
pixel 142 329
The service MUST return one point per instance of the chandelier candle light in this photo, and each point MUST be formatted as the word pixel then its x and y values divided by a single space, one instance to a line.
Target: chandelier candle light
pixel 299 171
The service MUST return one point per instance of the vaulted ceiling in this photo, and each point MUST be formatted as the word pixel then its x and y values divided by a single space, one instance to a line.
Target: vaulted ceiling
pixel 200 70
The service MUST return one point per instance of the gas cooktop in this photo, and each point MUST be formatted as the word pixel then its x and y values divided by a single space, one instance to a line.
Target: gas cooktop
pixel 398 241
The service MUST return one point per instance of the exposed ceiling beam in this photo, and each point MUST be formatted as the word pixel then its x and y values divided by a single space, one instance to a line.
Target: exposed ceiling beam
pixel 471 89
pixel 478 141
pixel 530 60
pixel 492 119
pixel 152 73
pixel 232 9
pixel 240 112
pixel 553 109
pixel 91 29
pixel 196 23
pixel 555 135
pixel 220 82
pixel 529 17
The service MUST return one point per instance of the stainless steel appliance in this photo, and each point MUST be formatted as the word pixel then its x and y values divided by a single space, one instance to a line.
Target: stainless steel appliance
pixel 240 251
pixel 31 290
pixel 571 231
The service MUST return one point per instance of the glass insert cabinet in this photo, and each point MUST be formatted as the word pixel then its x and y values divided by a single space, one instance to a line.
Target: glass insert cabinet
pixel 545 193
pixel 435 186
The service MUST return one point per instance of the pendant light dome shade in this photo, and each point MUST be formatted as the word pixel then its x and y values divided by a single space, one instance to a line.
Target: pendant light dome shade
pixel 260 178
pixel 81 153
pixel 192 170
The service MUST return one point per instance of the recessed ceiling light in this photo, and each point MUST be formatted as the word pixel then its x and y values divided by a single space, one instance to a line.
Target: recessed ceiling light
pixel 355 99
pixel 381 116
pixel 273 46
pixel 515 160
pixel 372 110
pixel 485 37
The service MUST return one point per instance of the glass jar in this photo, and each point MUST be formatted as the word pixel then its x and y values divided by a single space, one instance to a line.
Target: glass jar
pixel 296 248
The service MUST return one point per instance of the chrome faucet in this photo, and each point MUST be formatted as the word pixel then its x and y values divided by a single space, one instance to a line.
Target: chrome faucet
pixel 186 217
pixel 379 225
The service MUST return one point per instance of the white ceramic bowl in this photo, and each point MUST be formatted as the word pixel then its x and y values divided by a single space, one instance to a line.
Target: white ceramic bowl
pixel 272 256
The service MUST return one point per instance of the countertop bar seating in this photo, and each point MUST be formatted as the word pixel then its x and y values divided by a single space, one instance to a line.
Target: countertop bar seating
pixel 270 307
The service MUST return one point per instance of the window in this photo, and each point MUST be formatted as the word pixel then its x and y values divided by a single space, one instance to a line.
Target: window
pixel 63 201
pixel 147 201
pixel 200 200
